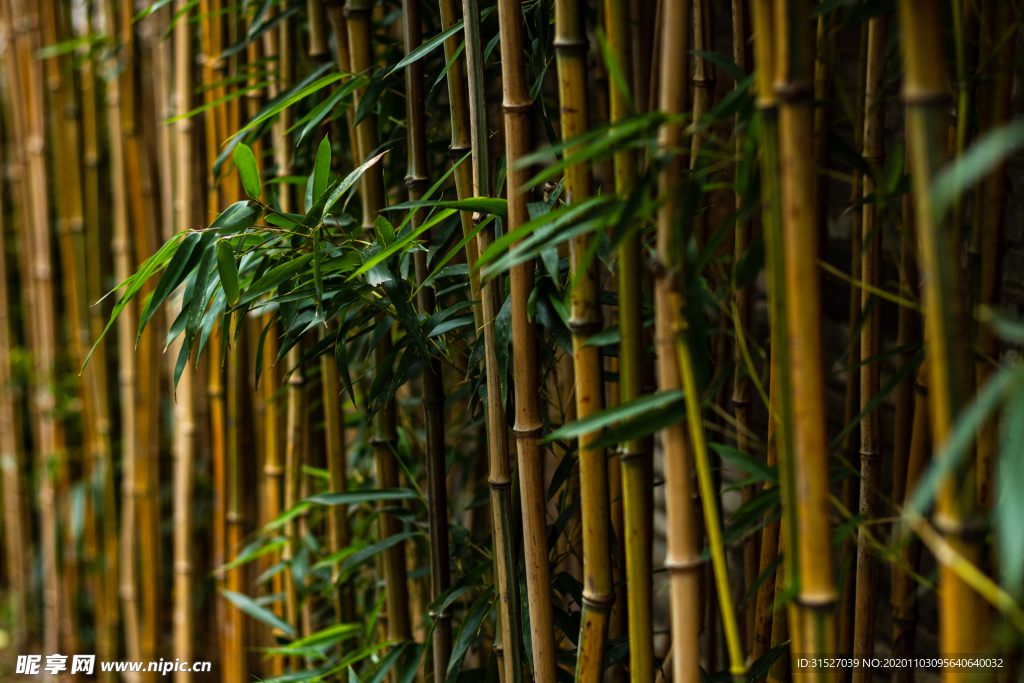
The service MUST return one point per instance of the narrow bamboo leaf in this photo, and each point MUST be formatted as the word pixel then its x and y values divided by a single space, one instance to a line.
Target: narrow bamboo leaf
pixel 610 416
pixel 257 31
pixel 746 462
pixel 427 47
pixel 950 455
pixel 387 662
pixel 359 497
pixel 877 399
pixel 455 57
pixel 322 168
pixel 197 307
pixel 615 70
pixel 236 218
pixel 245 161
pixel 350 180
pixel 368 100
pixel 502 336
pixel 467 633
pixel 395 289
pixel 380 546
pixel 181 362
pixel 275 277
pixel 185 259
pixel 227 268
pixel 759 669
pixel 258 612
pixel 318 277
pixel 486 205
pixel 259 351
pixel 730 67
pixel 974 164
pixel 1009 510
pixel 279 106
pixel 398 245
pixel 411 664
pixel 643 425
pixel 457 249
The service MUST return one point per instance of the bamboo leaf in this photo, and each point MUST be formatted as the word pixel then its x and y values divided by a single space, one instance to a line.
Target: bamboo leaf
pixel 197 307
pixel 368 100
pixel 258 612
pixel 350 180
pixel 1009 510
pixel 228 270
pixel 746 462
pixel 185 259
pixel 322 169
pixel 427 47
pixel 759 669
pixel 448 66
pixel 275 277
pixel 366 553
pixel 974 164
pixel 359 497
pixel 245 161
pixel 467 633
pixel 610 416
pixel 486 205
pixel 259 352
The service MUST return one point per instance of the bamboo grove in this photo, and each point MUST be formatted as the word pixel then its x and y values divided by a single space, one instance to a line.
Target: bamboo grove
pixel 550 340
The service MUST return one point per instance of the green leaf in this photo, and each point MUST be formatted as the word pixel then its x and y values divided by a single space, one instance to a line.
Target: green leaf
pixel 228 270
pixel 259 351
pixel 648 423
pixel 318 277
pixel 974 164
pixel 197 307
pixel 399 245
pixel 258 612
pixel 350 180
pixel 322 169
pixel 759 669
pixel 486 205
pixel 448 66
pixel 245 160
pixel 467 633
pixel 426 48
pixel 610 416
pixel 1009 510
pixel 275 277
pixel 389 661
pixel 358 497
pixel 746 462
pixel 730 67
pixel 369 97
pixel 186 258
pixel 366 553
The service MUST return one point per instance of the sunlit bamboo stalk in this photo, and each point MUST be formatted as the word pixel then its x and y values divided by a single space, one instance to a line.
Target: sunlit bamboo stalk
pixel 682 559
pixel 293 454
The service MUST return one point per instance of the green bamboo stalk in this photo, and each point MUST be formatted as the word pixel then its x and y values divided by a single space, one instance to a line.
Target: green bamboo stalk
pixel 634 456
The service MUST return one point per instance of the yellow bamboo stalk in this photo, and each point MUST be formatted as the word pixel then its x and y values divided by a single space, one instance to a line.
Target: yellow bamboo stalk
pixel 518 108
pixel 292 472
pixel 584 320
pixel 813 622
pixel 682 558
pixel 41 316
pixel 926 94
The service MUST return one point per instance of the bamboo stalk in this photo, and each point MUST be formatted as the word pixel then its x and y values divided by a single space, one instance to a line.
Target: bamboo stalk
pixel 416 180
pixel 812 623
pixel 851 404
pixel 41 317
pixel 385 436
pixel 143 220
pixel 234 668
pixel 518 108
pixel 870 345
pixel 682 558
pixel 634 456
pixel 926 93
pixel 273 469
pixel 95 375
pixel 742 394
pixel 990 274
pixel 120 246
pixel 293 455
pixel 11 447
pixel 585 320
